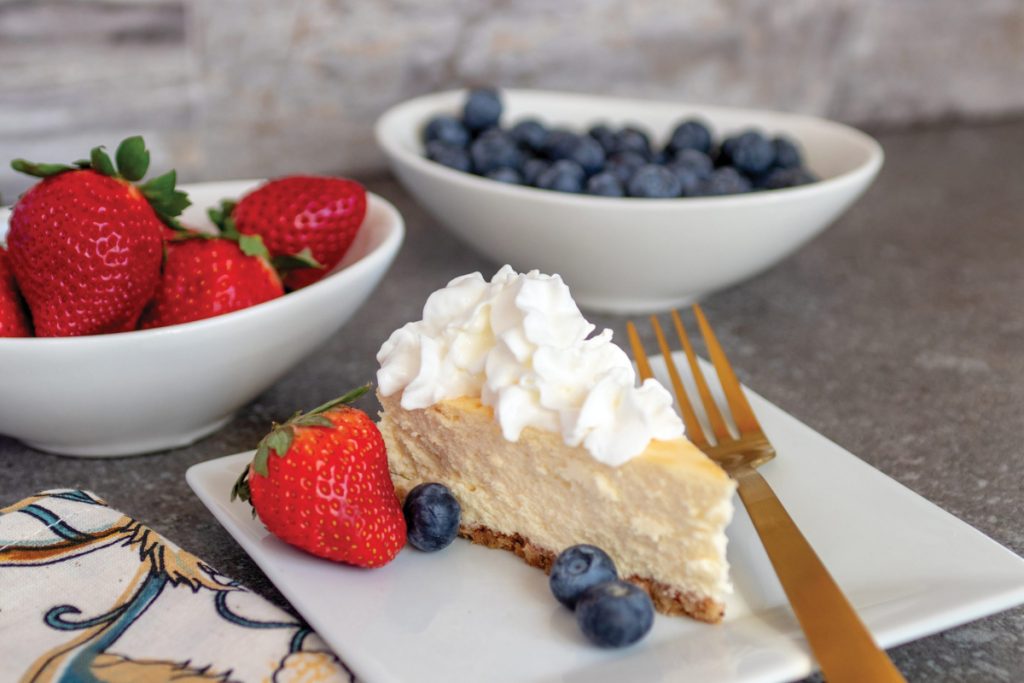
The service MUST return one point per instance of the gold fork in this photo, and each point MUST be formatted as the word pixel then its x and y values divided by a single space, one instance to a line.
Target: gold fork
pixel 841 643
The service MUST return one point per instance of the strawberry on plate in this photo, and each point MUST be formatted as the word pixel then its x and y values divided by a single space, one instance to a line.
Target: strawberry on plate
pixel 86 244
pixel 320 482
pixel 313 216
pixel 13 321
pixel 205 276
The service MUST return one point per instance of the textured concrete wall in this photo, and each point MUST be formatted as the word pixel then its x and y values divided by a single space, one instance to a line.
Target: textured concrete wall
pixel 233 88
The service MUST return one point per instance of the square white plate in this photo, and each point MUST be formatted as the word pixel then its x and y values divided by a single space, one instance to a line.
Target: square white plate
pixel 470 613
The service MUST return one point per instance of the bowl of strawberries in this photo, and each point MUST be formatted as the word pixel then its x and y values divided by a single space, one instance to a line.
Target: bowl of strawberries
pixel 150 313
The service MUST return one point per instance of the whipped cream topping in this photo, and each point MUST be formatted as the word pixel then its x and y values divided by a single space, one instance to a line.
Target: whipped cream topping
pixel 521 345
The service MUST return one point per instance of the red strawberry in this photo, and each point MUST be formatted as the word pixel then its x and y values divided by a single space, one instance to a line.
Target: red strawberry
pixel 297 213
pixel 204 277
pixel 13 321
pixel 86 244
pixel 320 482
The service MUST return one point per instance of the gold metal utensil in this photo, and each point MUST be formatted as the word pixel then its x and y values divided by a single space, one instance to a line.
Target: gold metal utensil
pixel 841 643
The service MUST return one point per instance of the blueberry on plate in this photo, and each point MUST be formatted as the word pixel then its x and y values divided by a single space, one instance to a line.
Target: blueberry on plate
pixel 482 109
pixel 506 175
pixel 605 185
pixel 447 155
pixel 588 153
pixel 605 136
pixel 787 154
pixel 530 134
pixel 562 176
pixel 614 614
pixel 725 180
pixel 624 164
pixel 431 517
pixel 780 178
pixel 690 134
pixel 578 568
pixel 532 168
pixel 654 182
pixel 446 129
pixel 494 149
pixel 631 139
pixel 750 153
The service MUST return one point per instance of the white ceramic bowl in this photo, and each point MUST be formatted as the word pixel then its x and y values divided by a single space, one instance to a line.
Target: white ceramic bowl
pixel 631 255
pixel 138 392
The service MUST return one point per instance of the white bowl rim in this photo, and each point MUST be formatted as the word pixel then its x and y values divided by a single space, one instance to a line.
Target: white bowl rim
pixel 392 241
pixel 872 162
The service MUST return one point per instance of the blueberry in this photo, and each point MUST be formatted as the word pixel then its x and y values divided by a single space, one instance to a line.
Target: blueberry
pixel 604 136
pixel 431 517
pixel 699 162
pixel 725 180
pixel 452 157
pixel 624 164
pixel 506 175
pixel 532 168
pixel 482 109
pixel 530 134
pixel 562 176
pixel 559 144
pixel 690 134
pixel 614 614
pixel 606 185
pixel 631 139
pixel 654 182
pixel 787 154
pixel 492 150
pixel 588 153
pixel 446 129
pixel 578 568
pixel 750 153
pixel 689 179
pixel 786 177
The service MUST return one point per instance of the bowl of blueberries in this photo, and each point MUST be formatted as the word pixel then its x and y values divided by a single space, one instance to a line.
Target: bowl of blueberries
pixel 640 205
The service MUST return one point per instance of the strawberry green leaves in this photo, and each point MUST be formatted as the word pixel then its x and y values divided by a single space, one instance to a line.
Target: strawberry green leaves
pixel 132 158
pixel 100 162
pixel 252 245
pixel 221 217
pixel 302 259
pixel 166 200
pixel 281 437
pixel 132 163
pixel 39 170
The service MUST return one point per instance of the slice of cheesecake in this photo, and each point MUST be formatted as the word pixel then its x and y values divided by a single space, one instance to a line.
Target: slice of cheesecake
pixel 661 516
pixel 503 394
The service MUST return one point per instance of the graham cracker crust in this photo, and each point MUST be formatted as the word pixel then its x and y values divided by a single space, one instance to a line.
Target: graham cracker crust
pixel 666 599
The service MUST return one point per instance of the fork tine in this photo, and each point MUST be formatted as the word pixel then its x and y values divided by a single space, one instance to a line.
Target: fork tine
pixel 693 429
pixel 718 426
pixel 643 366
pixel 741 412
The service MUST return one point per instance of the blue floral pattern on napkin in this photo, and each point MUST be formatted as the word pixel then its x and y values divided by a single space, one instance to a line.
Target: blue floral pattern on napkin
pixel 89 594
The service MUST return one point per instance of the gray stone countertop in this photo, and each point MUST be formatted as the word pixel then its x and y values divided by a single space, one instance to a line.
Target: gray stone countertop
pixel 898 334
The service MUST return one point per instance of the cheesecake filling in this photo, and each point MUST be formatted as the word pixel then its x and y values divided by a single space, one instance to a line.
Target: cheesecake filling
pixel 661 516
pixel 520 344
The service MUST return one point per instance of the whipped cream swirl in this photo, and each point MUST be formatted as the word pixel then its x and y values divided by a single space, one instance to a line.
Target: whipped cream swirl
pixel 520 343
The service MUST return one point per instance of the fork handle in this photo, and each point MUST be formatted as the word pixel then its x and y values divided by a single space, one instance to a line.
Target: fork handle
pixel 841 643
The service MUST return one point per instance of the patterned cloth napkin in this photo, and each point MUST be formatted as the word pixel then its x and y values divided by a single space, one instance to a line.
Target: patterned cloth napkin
pixel 89 594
